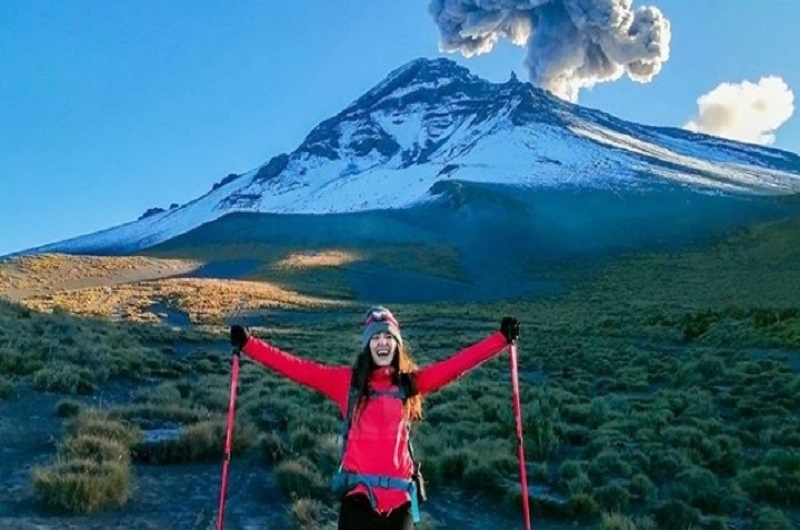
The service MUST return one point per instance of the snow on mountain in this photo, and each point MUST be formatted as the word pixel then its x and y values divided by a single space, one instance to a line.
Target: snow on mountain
pixel 432 121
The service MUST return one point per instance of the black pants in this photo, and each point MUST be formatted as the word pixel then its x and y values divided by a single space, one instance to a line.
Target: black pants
pixel 357 514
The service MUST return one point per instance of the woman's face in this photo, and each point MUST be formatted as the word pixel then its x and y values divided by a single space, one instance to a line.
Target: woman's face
pixel 382 348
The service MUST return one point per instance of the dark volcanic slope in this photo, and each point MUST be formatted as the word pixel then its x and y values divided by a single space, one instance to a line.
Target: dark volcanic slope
pixel 505 236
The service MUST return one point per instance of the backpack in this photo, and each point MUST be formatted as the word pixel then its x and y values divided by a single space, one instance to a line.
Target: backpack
pixel 344 480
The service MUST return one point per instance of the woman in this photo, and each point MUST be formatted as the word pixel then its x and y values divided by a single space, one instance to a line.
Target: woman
pixel 378 398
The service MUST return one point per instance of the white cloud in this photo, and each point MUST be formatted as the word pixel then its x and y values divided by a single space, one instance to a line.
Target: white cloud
pixel 746 111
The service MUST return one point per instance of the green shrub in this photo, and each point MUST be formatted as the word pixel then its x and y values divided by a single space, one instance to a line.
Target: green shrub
pixel 700 488
pixel 91 422
pixel 301 478
pixel 327 454
pixel 676 514
pixel 574 434
pixel 302 440
pixel 769 519
pixel 452 463
pixel 6 387
pixel 82 486
pixel 212 393
pixel 14 363
pixel 273 448
pixel 68 408
pixel 319 423
pixel 487 474
pixel 305 514
pixel 198 441
pixel 695 325
pixel 666 463
pixel 642 490
pixel 581 483
pixel 616 521
pixel 95 448
pixel 788 461
pixel 161 412
pixel 762 483
pixel 710 366
pixel 162 394
pixel 723 454
pixel 569 469
pixel 608 465
pixel 64 378
pixel 545 506
pixel 612 497
pixel 583 505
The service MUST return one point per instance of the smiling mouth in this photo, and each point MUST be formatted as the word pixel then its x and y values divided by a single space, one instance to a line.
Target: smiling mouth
pixel 382 353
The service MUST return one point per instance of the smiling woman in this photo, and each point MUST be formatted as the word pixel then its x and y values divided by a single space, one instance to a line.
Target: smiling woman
pixel 378 480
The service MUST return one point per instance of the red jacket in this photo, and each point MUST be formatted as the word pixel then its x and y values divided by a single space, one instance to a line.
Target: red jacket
pixel 377 444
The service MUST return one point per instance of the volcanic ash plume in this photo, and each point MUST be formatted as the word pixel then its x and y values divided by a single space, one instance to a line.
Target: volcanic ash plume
pixel 571 44
pixel 746 111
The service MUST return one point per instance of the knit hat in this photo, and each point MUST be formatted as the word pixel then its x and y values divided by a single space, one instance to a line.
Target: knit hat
pixel 378 320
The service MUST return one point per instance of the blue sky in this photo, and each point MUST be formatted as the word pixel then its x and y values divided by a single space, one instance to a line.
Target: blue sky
pixel 110 108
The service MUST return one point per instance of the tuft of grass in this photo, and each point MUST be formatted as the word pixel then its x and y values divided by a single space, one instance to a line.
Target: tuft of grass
pixel 617 521
pixel 80 486
pixel 273 448
pixel 95 448
pixel 6 387
pixel 767 518
pixel 583 506
pixel 64 378
pixel 301 477
pixel 195 442
pixel 95 422
pixel 92 469
pixel 308 514
pixel 68 408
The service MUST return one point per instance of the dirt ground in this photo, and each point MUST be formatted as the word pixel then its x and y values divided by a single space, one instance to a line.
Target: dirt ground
pixel 179 496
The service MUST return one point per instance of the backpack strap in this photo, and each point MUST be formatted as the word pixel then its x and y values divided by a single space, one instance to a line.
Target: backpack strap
pixel 345 480
pixel 352 402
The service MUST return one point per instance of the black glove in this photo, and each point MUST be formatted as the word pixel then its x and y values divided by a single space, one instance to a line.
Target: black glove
pixel 239 336
pixel 509 327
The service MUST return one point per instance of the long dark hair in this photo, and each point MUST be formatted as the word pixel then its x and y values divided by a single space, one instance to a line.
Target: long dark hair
pixel 404 376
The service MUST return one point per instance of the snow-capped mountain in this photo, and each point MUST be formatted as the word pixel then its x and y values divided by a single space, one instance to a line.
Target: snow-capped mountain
pixel 431 122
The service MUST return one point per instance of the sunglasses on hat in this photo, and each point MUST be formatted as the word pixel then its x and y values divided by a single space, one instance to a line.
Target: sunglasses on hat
pixel 377 315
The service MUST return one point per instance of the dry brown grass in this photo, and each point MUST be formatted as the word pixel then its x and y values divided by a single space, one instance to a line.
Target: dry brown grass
pixel 204 301
pixel 145 289
pixel 128 288
pixel 318 259
pixel 45 274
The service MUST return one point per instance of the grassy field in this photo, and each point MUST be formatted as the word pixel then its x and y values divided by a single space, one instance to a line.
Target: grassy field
pixel 662 392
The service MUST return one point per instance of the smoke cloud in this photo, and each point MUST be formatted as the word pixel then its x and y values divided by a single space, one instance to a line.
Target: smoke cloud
pixel 749 112
pixel 572 44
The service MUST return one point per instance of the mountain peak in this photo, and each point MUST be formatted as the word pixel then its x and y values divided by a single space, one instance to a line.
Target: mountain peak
pixel 424 68
pixel 432 121
pixel 421 73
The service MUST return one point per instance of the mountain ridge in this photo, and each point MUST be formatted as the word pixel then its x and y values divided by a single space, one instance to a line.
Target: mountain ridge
pixel 432 121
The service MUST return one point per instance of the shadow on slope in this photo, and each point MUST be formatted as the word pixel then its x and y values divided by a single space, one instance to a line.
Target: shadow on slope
pixel 475 242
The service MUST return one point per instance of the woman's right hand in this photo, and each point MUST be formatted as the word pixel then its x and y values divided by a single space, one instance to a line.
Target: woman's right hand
pixel 509 326
pixel 239 336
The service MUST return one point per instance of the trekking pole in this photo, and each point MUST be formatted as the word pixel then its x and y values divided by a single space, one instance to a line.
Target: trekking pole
pixel 518 417
pixel 226 459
